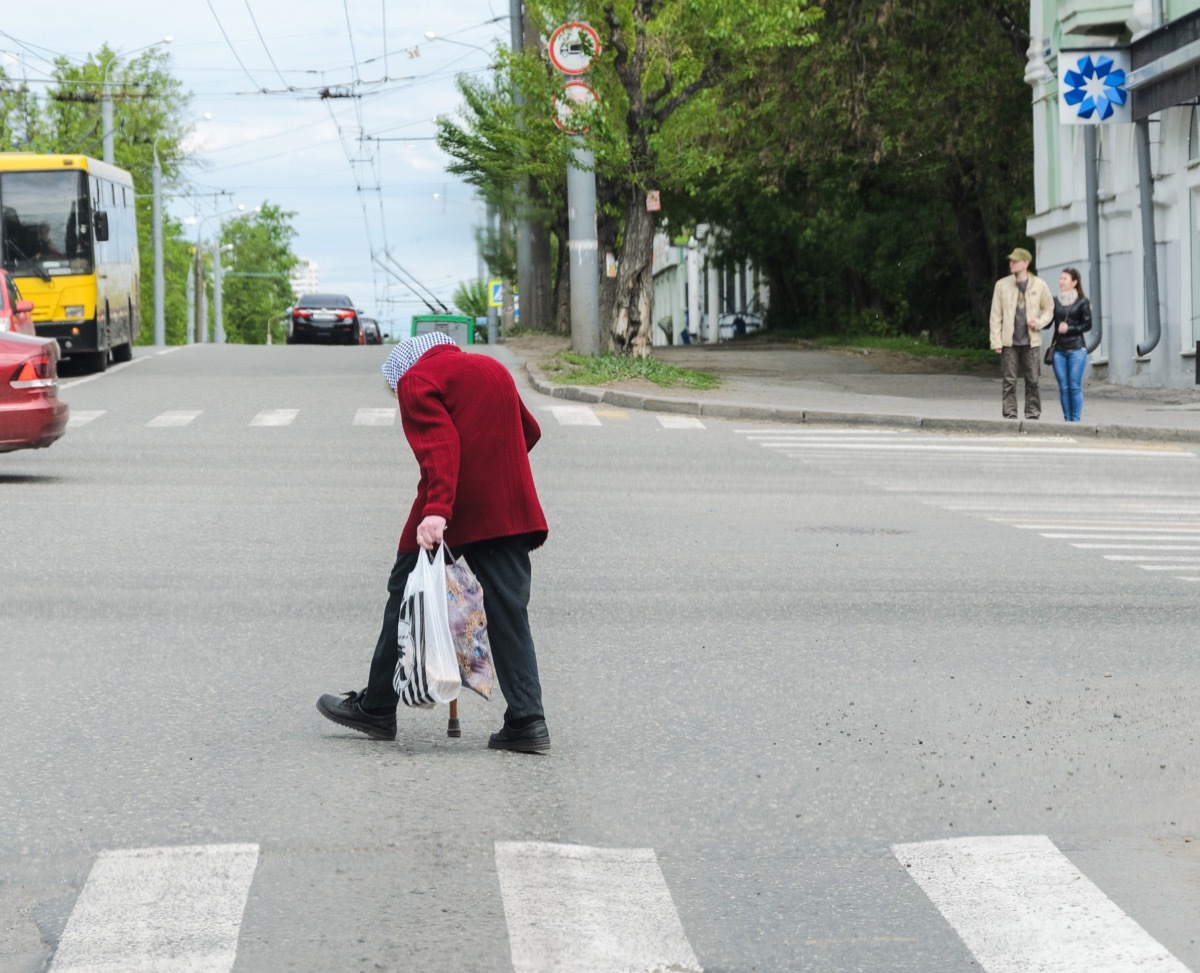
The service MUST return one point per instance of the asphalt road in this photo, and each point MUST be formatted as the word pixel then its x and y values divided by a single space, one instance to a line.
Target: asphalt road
pixel 820 700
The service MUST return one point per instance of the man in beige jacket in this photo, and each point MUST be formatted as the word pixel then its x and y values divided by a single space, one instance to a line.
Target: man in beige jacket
pixel 1021 306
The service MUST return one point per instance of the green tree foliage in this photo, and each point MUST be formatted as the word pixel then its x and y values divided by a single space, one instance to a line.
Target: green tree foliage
pixel 658 57
pixel 880 178
pixel 471 298
pixel 258 260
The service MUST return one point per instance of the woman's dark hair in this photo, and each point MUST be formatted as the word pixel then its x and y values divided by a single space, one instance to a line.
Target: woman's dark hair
pixel 1074 275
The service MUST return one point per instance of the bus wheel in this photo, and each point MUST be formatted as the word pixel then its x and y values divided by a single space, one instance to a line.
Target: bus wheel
pixel 96 361
pixel 122 353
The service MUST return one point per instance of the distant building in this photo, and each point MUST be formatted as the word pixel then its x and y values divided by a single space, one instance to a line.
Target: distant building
pixel 304 279
pixel 1161 88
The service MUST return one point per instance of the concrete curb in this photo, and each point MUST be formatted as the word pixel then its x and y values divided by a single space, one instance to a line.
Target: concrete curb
pixel 766 413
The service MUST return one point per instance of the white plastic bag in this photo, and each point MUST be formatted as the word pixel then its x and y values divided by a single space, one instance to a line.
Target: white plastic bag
pixel 427 669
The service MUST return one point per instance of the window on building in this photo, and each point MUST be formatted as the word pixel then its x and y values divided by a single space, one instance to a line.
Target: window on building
pixel 1194 135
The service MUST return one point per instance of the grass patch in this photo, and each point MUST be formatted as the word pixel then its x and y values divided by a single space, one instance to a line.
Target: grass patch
pixel 568 368
pixel 915 347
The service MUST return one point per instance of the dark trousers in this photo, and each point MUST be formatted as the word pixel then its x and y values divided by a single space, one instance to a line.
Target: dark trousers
pixel 1024 361
pixel 503 569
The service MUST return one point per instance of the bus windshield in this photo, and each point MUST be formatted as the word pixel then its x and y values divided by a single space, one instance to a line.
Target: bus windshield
pixel 46 223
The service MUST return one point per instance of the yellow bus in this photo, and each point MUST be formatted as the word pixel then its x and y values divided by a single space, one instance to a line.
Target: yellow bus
pixel 69 237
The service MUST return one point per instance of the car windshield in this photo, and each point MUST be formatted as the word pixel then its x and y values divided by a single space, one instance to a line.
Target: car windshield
pixel 324 300
pixel 45 229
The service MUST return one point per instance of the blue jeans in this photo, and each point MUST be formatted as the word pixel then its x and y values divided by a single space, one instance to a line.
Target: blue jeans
pixel 1068 370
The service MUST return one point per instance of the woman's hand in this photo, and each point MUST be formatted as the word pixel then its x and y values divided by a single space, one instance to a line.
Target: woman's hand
pixel 430 531
pixel 1062 328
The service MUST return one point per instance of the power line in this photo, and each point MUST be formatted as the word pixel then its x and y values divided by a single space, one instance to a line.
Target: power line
pixel 263 41
pixel 233 49
pixel 350 31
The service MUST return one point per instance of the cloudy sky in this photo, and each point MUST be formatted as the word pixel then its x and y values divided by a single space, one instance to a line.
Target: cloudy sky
pixel 294 149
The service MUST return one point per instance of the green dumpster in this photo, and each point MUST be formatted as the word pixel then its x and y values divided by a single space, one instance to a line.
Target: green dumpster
pixel 457 326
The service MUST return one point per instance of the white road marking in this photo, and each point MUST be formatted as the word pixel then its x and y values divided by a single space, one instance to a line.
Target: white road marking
pixel 159 910
pixel 916 447
pixel 1174 536
pixel 1019 905
pixel 1177 558
pixel 1109 528
pixel 113 369
pixel 275 417
pixel 756 435
pixel 82 417
pixel 1161 567
pixel 179 417
pixel 679 422
pixel 375 417
pixel 575 909
pixel 1137 547
pixel 574 415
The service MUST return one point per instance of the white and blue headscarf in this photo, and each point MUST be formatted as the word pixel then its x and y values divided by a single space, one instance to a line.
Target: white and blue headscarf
pixel 406 353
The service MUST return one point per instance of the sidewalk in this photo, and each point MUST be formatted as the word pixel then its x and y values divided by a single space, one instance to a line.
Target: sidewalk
pixel 787 383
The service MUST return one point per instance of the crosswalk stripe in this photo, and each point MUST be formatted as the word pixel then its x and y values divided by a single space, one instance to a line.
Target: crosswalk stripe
pixel 1020 905
pixel 1159 538
pixel 916 447
pixel 1177 558
pixel 275 417
pixel 679 422
pixel 574 415
pixel 1107 528
pixel 159 910
pixel 175 417
pixel 600 910
pixel 375 417
pixel 1137 547
pixel 82 417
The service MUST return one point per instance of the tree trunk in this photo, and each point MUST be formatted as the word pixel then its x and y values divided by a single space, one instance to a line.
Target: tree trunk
pixel 976 249
pixel 539 300
pixel 633 309
pixel 562 281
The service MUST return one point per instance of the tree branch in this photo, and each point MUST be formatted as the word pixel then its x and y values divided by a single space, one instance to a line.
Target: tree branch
pixel 615 38
pixel 661 93
pixel 708 77
pixel 1018 37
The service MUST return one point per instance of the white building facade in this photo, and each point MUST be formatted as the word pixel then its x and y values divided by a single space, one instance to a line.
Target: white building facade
pixel 1161 38
pixel 304 278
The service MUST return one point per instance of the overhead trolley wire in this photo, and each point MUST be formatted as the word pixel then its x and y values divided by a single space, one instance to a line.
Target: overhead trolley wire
pixel 263 41
pixel 233 49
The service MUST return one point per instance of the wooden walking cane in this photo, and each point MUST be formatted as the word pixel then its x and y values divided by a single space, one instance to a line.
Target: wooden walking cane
pixel 452 728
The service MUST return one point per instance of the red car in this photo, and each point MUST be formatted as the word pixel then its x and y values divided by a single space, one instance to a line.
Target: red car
pixel 31 414
pixel 15 314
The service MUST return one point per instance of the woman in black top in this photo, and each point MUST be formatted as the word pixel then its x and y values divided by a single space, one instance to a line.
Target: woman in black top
pixel 1072 320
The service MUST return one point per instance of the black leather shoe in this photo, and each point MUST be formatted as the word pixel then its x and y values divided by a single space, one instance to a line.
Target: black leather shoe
pixel 534 738
pixel 349 712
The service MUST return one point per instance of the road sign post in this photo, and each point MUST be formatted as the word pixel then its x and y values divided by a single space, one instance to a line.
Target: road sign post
pixel 573 48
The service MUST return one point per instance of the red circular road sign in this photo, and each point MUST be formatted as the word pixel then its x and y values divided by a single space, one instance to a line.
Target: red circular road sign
pixel 574 100
pixel 574 47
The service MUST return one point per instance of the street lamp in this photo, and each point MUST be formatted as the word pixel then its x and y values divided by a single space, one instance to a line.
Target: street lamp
pixel 160 324
pixel 218 292
pixel 449 40
pixel 106 105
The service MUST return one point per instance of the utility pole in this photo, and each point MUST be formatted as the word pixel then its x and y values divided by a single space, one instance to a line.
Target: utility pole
pixel 524 282
pixel 218 315
pixel 106 124
pixel 160 324
pixel 584 251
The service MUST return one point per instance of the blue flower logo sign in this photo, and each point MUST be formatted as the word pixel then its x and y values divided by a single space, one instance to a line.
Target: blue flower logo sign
pixel 1096 88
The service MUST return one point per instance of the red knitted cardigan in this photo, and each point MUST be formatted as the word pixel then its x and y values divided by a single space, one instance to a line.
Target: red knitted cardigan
pixel 471 435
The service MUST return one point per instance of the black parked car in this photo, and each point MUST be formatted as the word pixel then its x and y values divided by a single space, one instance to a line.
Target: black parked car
pixel 324 317
pixel 371 332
